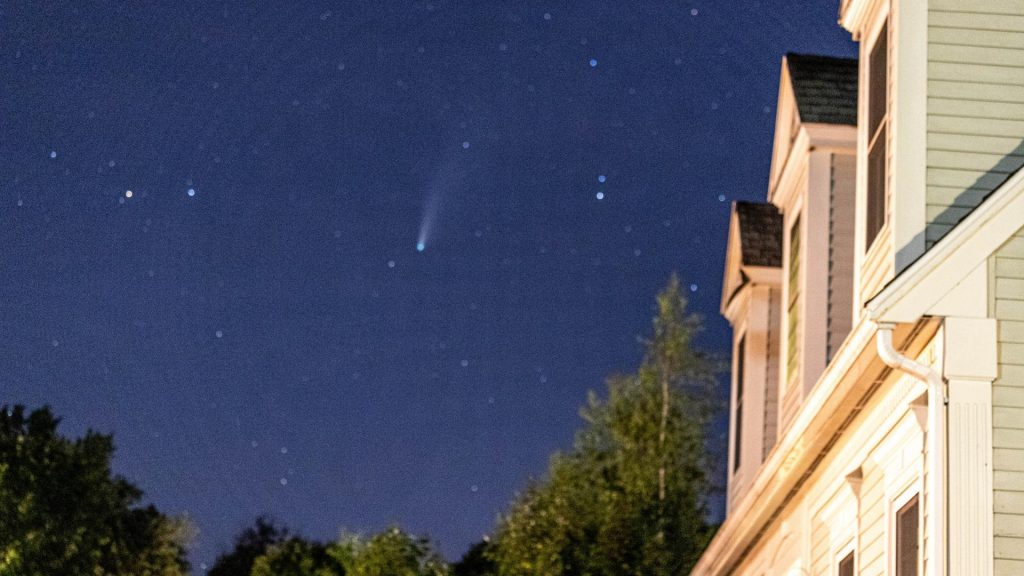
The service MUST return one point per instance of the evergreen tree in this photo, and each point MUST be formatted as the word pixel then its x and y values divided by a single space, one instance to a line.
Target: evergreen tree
pixel 64 512
pixel 631 497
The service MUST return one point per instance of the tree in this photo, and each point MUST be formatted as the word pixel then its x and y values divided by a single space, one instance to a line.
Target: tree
pixel 631 496
pixel 390 553
pixel 298 557
pixel 64 512
pixel 477 561
pixel 252 543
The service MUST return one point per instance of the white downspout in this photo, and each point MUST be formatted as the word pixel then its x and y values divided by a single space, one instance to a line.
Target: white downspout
pixel 937 400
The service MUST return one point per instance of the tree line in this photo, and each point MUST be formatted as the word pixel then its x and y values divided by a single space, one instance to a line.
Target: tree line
pixel 630 497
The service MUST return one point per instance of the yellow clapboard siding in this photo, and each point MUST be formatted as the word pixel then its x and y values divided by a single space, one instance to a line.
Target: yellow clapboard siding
pixel 1003 56
pixel 951 124
pixel 1010 267
pixel 1008 547
pixel 976 108
pixel 1000 145
pixel 977 6
pixel 954 35
pixel 963 178
pixel 1009 524
pixel 953 196
pixel 975 160
pixel 1009 396
pixel 975 91
pixel 938 17
pixel 1008 438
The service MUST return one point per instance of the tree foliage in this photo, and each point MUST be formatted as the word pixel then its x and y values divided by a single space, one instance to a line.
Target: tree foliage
pixel 391 552
pixel 631 496
pixel 252 543
pixel 64 512
pixel 477 561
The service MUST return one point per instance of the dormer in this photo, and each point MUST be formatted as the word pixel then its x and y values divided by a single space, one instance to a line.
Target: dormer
pixel 751 301
pixel 940 122
pixel 813 185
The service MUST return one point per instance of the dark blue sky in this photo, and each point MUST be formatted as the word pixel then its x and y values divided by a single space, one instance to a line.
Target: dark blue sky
pixel 272 342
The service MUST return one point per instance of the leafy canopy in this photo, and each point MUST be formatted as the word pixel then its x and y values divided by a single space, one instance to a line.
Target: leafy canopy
pixel 631 496
pixel 64 512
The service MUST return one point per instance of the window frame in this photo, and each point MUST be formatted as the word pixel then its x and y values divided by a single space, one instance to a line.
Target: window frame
pixel 794 300
pixel 739 387
pixel 876 195
pixel 914 495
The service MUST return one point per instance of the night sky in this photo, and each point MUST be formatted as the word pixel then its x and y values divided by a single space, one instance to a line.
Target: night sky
pixel 209 215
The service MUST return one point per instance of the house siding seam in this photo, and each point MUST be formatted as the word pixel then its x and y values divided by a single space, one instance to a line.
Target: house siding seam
pixel 975 124
pixel 1008 408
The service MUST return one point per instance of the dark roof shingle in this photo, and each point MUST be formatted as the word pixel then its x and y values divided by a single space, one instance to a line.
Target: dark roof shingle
pixel 760 227
pixel 825 88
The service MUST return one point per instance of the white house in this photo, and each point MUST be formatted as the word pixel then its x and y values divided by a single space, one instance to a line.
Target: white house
pixel 877 305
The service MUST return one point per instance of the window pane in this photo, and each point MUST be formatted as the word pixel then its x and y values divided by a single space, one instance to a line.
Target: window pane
pixel 878 80
pixel 846 565
pixel 793 308
pixel 907 539
pixel 875 214
pixel 737 443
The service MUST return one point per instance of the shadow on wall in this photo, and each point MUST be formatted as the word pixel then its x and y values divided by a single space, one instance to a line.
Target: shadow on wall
pixel 952 212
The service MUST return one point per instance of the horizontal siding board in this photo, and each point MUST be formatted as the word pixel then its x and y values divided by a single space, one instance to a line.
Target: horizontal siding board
pixel 988 92
pixel 1011 352
pixel 955 35
pixel 952 124
pixel 985 73
pixel 946 214
pixel 960 54
pixel 1000 145
pixel 1010 309
pixel 953 196
pixel 1013 248
pixel 1007 501
pixel 1008 438
pixel 957 18
pixel 1006 567
pixel 964 178
pixel 1009 524
pixel 1011 375
pixel 976 160
pixel 1010 267
pixel 1008 481
pixel 1010 548
pixel 976 108
pixel 1008 396
pixel 1010 288
pixel 977 6
pixel 1008 460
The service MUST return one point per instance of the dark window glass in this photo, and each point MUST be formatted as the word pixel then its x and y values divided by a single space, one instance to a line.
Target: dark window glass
pixel 846 565
pixel 907 524
pixel 878 132
pixel 737 443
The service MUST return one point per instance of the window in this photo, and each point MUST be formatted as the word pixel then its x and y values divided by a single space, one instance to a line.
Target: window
pixel 846 565
pixel 907 541
pixel 793 305
pixel 737 417
pixel 878 130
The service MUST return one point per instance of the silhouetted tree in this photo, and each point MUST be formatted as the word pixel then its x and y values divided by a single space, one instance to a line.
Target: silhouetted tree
pixel 63 512
pixel 476 561
pixel 631 497
pixel 252 543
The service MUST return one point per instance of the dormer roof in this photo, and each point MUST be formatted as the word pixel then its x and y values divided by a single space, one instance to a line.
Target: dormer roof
pixel 825 88
pixel 754 252
pixel 760 228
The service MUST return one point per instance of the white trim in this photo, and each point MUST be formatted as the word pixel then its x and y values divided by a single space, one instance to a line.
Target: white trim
pixel 923 284
pixel 908 128
pixel 901 499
